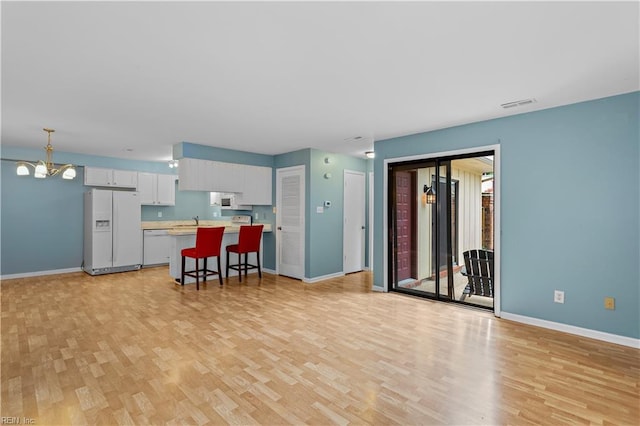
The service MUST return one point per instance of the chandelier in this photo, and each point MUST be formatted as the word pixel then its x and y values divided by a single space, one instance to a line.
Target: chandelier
pixel 42 169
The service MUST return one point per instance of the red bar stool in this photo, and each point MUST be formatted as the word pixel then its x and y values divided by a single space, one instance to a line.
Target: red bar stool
pixel 248 242
pixel 208 243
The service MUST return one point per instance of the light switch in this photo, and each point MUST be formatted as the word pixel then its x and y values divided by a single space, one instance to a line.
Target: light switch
pixel 319 209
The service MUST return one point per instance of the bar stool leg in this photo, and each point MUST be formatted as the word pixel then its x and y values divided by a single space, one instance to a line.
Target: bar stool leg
pixel 182 272
pixel 219 271
pixel 259 267
pixel 197 275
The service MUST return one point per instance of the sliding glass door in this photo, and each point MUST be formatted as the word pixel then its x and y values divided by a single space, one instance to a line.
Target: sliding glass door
pixel 436 212
pixel 421 228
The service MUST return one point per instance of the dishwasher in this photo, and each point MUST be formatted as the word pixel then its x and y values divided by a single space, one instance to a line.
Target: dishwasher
pixel 156 247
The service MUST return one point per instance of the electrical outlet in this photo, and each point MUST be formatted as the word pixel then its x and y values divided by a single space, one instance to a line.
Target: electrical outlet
pixel 159 214
pixel 609 303
pixel 558 296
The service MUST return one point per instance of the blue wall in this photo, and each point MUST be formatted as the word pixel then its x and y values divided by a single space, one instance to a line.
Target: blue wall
pixel 570 202
pixel 40 222
pixel 325 230
pixel 41 219
pixel 323 242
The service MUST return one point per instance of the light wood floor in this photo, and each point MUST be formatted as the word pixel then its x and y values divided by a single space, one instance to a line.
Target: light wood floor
pixel 133 348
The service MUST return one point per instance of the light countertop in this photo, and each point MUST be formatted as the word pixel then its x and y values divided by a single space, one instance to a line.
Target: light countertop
pixel 188 227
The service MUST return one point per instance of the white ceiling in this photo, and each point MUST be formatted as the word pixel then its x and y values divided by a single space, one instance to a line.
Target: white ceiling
pixel 276 77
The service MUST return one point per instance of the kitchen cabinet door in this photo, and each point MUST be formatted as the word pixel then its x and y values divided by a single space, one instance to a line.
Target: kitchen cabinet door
pixel 236 177
pixel 125 179
pixel 190 175
pixel 257 186
pixel 147 183
pixel 223 178
pixel 251 190
pixel 98 176
pixel 211 176
pixel 266 188
pixel 157 189
pixel 166 190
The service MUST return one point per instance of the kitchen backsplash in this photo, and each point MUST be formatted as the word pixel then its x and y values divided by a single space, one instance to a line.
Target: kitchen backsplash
pixel 188 205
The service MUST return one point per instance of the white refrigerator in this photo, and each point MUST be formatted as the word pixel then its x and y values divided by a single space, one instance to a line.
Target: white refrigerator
pixel 112 234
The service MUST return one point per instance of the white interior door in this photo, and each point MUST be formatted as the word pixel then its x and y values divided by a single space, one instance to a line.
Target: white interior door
pixel 290 232
pixel 354 221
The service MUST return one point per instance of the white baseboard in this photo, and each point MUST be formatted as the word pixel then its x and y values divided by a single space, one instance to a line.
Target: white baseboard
pixel 322 277
pixel 377 288
pixel 269 271
pixel 571 329
pixel 40 273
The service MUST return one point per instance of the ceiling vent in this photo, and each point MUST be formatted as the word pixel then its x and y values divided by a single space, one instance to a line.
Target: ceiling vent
pixel 518 103
pixel 354 139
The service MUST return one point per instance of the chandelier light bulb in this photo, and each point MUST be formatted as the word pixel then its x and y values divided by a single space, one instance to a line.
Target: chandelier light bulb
pixel 70 173
pixel 41 171
pixel 22 170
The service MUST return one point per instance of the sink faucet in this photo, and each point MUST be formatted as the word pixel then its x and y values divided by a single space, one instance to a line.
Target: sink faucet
pixel 197 219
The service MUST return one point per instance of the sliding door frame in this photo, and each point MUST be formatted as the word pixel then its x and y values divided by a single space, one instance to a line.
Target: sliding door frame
pixel 497 227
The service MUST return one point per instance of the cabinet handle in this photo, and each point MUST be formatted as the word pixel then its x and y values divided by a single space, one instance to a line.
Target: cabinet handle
pixel 279 228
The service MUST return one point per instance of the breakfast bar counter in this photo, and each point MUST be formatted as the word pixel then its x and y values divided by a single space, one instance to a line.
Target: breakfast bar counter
pixel 185 236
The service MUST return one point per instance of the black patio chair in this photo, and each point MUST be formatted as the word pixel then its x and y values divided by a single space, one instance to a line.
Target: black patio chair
pixel 478 268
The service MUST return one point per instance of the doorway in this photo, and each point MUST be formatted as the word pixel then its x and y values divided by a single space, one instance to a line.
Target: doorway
pixel 290 223
pixel 439 211
pixel 353 222
pixel 405 241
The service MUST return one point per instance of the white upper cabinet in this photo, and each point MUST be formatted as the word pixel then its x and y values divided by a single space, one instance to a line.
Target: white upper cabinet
pixel 233 179
pixel 222 177
pixel 191 175
pixel 166 190
pixel 97 176
pixel 157 189
pixel 253 182
pixel 146 183
pixel 257 186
